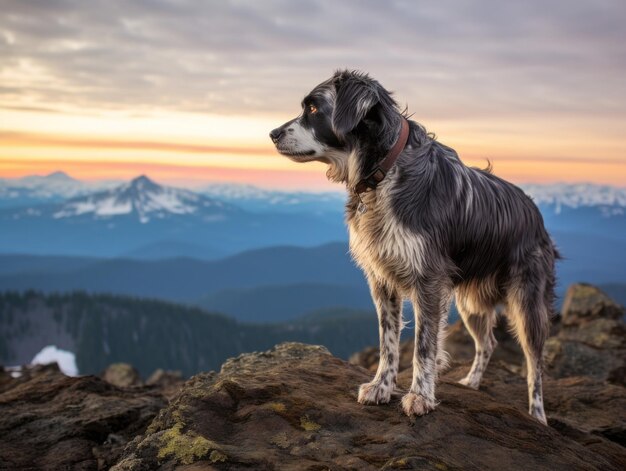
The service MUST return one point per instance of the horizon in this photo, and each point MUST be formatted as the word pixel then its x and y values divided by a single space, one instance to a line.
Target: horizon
pixel 172 90
pixel 199 184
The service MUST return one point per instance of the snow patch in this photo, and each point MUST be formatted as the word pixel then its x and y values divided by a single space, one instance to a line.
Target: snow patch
pixel 51 354
pixel 112 207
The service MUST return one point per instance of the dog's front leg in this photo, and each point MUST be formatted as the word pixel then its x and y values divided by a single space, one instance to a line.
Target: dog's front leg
pixel 430 303
pixel 389 310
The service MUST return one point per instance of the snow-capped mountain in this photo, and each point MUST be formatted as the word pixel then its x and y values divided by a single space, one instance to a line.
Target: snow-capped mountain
pixel 609 200
pixel 146 199
pixel 254 198
pixel 36 189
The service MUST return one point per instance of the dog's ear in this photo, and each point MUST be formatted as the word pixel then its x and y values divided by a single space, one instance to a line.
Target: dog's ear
pixel 354 100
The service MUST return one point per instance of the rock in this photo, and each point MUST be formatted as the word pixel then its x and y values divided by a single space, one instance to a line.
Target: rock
pixel 50 421
pixel 592 337
pixel 581 404
pixel 294 407
pixel 121 375
pixel 168 382
pixel 585 302
pixel 165 377
pixel 14 376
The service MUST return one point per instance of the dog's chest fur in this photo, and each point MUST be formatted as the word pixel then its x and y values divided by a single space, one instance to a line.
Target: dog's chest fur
pixel 379 243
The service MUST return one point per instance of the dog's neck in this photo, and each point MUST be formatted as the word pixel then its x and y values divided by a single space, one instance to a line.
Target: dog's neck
pixel 367 151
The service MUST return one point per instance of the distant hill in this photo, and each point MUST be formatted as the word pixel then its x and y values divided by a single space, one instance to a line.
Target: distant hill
pixel 275 303
pixel 41 189
pixel 182 279
pixel 102 329
pixel 15 264
pixel 275 282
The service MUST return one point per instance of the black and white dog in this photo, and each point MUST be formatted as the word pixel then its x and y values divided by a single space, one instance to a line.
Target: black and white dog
pixel 424 226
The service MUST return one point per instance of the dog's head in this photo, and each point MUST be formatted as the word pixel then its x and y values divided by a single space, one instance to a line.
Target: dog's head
pixel 348 111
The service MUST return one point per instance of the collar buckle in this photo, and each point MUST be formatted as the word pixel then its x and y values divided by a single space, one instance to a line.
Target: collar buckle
pixel 371 181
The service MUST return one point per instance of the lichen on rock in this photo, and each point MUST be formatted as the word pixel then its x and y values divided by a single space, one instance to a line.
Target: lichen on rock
pixel 185 447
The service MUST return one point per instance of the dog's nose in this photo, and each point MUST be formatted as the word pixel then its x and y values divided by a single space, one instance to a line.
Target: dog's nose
pixel 276 134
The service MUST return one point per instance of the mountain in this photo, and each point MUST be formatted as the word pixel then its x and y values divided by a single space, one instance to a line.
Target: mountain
pixel 138 216
pixel 276 303
pixel 221 219
pixel 52 188
pixel 257 199
pixel 579 195
pixel 16 264
pixel 144 200
pixel 163 249
pixel 145 239
pixel 584 208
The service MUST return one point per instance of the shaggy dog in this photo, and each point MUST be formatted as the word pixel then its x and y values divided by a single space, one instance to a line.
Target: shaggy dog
pixel 424 227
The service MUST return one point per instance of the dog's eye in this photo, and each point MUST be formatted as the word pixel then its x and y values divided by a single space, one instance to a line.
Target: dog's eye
pixel 312 109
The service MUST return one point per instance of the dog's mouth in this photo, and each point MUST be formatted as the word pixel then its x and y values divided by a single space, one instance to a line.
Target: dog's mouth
pixel 296 155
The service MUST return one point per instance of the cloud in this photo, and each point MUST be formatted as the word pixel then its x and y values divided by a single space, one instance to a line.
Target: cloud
pixel 487 58
pixel 20 139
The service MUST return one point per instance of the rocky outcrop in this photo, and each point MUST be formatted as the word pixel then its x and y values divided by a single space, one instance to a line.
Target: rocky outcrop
pixel 294 407
pixel 592 337
pixel 50 421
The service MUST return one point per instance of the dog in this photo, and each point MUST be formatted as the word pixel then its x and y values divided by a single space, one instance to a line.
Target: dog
pixel 425 227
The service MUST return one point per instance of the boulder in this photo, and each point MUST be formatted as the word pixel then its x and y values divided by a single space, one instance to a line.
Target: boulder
pixel 167 382
pixel 592 337
pixel 121 375
pixel 49 421
pixel 294 407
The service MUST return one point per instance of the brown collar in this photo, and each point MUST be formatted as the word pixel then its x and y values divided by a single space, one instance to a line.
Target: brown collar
pixel 379 172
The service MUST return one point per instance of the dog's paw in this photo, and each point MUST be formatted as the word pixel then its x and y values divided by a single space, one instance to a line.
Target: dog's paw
pixel 375 393
pixel 470 381
pixel 416 404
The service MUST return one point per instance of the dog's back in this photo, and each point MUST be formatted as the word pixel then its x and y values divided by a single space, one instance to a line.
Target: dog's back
pixel 485 227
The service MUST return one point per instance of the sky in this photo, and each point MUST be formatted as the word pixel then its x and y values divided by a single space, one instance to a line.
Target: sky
pixel 187 91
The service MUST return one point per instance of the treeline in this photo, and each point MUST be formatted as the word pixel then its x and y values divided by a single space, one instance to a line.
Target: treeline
pixel 103 329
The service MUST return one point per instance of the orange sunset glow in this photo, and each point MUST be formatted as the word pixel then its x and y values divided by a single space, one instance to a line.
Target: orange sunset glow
pixel 182 109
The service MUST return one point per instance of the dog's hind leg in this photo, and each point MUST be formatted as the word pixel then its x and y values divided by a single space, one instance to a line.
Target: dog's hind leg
pixel 480 327
pixel 431 302
pixel 389 309
pixel 529 316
